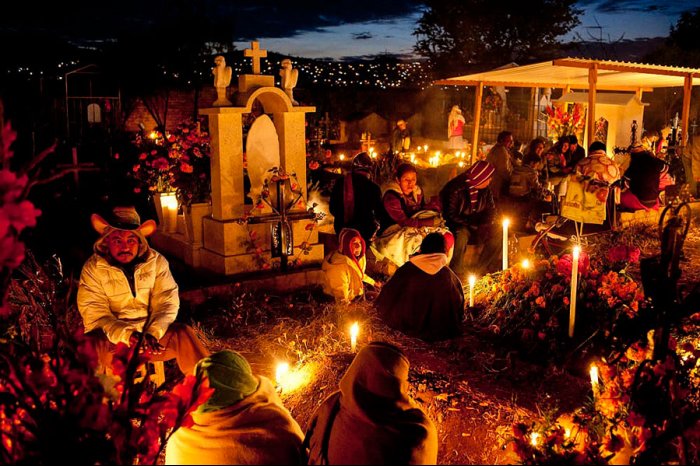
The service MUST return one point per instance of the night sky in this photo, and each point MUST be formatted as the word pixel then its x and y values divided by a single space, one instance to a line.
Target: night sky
pixel 314 28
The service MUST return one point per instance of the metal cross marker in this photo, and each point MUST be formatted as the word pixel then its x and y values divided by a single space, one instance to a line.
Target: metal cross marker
pixel 282 244
pixel 256 53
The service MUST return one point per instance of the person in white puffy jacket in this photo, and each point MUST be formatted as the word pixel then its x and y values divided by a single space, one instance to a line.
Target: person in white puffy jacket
pixel 126 290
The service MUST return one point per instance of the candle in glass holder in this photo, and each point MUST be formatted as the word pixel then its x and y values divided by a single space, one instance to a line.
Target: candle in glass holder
pixel 506 222
pixel 354 331
pixel 574 285
pixel 472 281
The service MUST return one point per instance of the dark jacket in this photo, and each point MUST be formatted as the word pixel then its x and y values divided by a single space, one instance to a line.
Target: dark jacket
pixel 457 208
pixel 644 173
pixel 368 209
pixel 524 182
pixel 423 299
pixel 573 156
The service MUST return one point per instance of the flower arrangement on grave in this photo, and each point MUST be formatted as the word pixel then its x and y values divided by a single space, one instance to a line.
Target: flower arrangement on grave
pixel 531 306
pixel 643 410
pixel 562 122
pixel 176 161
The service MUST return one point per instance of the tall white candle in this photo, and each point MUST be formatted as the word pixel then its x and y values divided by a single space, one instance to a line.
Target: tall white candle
pixel 506 222
pixel 472 281
pixel 574 285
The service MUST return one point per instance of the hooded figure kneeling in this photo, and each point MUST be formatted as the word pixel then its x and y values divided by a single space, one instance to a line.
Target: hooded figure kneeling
pixel 424 298
pixel 243 422
pixel 372 419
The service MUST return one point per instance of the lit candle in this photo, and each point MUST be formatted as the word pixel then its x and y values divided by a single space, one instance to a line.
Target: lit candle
pixel 572 297
pixel 534 438
pixel 341 157
pixel 525 264
pixel 506 222
pixel 460 164
pixel 594 379
pixel 281 372
pixel 169 207
pixel 354 331
pixel 425 148
pixel 472 281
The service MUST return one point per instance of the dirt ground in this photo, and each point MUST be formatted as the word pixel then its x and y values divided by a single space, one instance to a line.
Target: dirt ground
pixel 472 389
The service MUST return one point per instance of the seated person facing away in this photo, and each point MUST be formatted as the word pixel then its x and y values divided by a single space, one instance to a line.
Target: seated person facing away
pixel 645 178
pixel 344 269
pixel 356 200
pixel 424 298
pixel 126 288
pixel 372 419
pixel 470 213
pixel 527 192
pixel 408 217
pixel 243 421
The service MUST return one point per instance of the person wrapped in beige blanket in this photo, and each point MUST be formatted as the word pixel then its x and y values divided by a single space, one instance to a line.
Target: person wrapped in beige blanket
pixel 243 422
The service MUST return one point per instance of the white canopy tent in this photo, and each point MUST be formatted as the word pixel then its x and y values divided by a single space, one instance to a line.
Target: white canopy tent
pixel 581 73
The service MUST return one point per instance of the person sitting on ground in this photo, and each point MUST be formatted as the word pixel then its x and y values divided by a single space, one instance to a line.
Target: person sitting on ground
pixel 470 213
pixel 242 422
pixel 645 178
pixel 127 294
pixel 501 159
pixel 598 165
pixel 575 153
pixel 408 217
pixel 372 419
pixel 356 200
pixel 528 193
pixel 424 298
pixel 344 270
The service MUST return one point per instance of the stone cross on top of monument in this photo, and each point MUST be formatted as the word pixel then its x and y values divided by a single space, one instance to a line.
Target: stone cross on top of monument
pixel 256 53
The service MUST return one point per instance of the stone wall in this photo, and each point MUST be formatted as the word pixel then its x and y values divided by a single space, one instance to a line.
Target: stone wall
pixel 181 107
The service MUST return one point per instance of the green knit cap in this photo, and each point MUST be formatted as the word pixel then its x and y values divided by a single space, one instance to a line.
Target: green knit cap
pixel 230 376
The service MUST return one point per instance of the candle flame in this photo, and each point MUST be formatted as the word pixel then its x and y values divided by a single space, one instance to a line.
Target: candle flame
pixel 534 439
pixel 506 222
pixel 472 280
pixel 525 263
pixel 460 164
pixel 567 432
pixel 341 156
pixel 281 373
pixel 594 375
pixel 577 251
pixel 354 331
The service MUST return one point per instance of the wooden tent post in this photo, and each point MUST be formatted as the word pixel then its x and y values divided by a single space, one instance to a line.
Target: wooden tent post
pixel 687 90
pixel 477 119
pixel 592 82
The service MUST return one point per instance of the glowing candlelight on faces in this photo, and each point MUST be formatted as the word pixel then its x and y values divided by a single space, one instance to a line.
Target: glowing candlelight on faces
pixel 572 296
pixel 472 281
pixel 506 222
pixel 354 331
pixel 594 379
